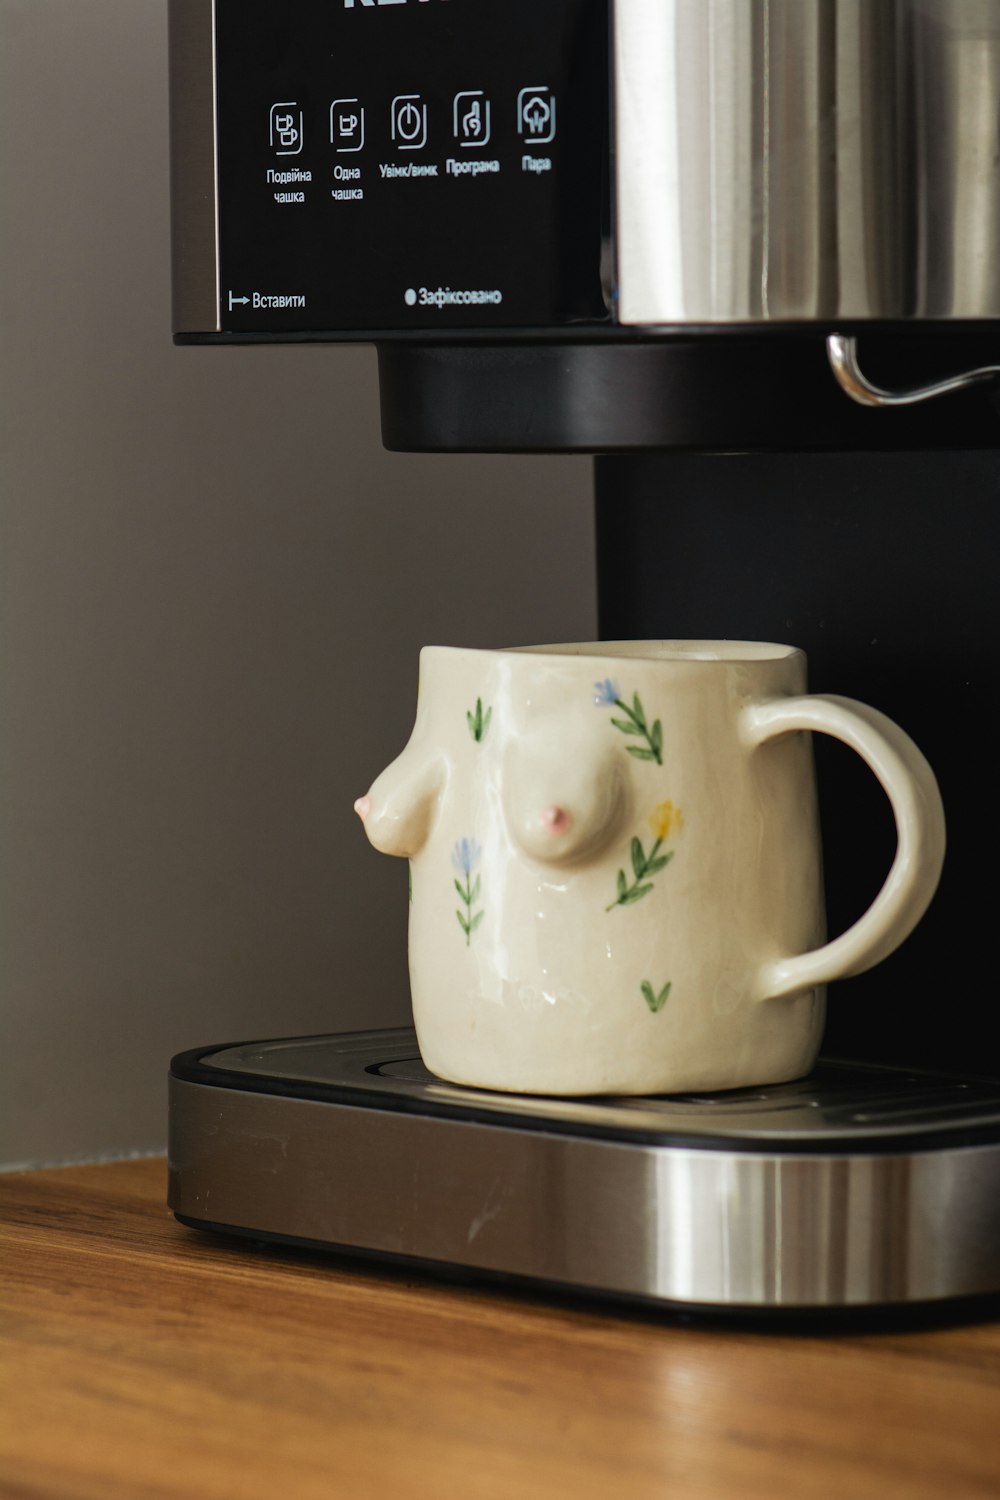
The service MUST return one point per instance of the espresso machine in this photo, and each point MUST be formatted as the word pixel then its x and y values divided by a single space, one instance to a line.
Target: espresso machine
pixel 747 254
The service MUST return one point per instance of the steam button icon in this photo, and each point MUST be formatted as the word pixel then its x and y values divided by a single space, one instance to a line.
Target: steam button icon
pixel 536 115
pixel 409 122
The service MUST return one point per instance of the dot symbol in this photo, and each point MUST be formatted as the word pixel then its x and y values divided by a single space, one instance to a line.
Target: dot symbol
pixel 409 296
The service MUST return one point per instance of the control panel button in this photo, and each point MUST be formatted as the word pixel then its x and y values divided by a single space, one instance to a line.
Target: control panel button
pixel 471 118
pixel 536 115
pixel 409 122
pixel 285 125
pixel 347 125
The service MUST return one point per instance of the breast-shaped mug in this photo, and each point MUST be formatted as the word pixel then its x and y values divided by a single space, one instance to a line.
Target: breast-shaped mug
pixel 615 864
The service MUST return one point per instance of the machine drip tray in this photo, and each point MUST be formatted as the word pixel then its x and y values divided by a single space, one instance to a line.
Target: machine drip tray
pixel 857 1187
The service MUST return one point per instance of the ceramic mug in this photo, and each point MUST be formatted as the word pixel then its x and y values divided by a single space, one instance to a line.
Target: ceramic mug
pixel 616 881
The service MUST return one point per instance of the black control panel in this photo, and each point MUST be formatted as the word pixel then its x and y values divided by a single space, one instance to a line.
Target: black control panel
pixel 411 165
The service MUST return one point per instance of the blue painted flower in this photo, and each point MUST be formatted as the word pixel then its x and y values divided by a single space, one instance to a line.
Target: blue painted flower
pixel 465 855
pixel 606 693
pixel 464 858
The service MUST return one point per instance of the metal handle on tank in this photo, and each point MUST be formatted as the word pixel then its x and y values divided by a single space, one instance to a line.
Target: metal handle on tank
pixel 842 352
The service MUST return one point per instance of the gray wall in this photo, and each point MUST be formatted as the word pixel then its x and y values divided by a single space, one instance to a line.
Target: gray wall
pixel 213 587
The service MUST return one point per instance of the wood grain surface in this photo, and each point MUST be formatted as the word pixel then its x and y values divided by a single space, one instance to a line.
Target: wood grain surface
pixel 143 1359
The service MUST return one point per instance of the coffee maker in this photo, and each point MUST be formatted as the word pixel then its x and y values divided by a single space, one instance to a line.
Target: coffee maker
pixel 747 254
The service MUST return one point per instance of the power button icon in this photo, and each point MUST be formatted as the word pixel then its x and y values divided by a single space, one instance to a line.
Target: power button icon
pixel 409 122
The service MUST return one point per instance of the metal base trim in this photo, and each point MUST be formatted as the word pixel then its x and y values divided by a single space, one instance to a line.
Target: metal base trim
pixel 870 1317
pixel 725 1229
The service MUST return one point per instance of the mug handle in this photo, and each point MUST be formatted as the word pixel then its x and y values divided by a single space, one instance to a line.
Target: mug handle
pixel 912 789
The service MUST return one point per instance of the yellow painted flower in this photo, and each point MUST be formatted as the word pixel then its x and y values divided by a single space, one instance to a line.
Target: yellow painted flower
pixel 664 817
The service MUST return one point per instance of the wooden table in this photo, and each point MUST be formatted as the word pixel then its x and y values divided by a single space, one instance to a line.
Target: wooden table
pixel 145 1359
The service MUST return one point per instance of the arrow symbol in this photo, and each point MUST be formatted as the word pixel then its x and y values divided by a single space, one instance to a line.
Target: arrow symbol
pixel 233 301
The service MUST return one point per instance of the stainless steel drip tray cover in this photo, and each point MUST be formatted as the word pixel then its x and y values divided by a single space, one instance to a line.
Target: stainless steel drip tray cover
pixel 839 1106
pixel 856 1187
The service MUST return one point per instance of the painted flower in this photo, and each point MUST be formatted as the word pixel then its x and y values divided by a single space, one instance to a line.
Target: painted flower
pixel 465 855
pixel 607 694
pixel 645 864
pixel 664 817
pixel 464 858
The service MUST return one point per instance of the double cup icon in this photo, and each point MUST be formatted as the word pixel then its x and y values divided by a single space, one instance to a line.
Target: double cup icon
pixel 286 129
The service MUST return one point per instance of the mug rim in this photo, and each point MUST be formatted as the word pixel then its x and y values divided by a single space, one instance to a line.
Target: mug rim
pixel 722 652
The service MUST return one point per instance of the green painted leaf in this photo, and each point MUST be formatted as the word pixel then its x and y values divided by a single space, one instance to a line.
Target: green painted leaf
pixel 622 884
pixel 460 888
pixel 462 923
pixel 637 710
pixel 640 752
pixel 486 722
pixel 656 738
pixel 474 893
pixel 635 894
pixel 477 724
pixel 655 865
pixel 626 726
pixel 638 858
pixel 476 920
pixel 655 1001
